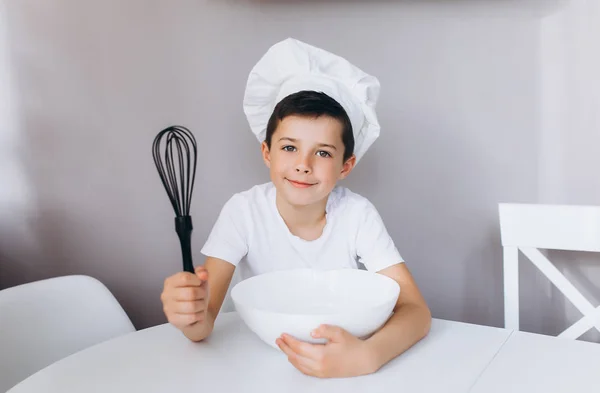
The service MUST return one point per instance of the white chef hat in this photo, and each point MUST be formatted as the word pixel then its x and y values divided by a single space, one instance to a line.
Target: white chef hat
pixel 291 66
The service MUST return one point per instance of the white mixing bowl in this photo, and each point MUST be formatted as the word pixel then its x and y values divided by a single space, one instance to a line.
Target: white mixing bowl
pixel 298 301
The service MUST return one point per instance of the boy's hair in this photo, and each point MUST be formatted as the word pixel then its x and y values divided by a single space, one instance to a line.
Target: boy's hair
pixel 312 104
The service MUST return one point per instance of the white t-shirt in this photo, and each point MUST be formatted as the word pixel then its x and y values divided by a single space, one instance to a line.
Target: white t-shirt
pixel 251 234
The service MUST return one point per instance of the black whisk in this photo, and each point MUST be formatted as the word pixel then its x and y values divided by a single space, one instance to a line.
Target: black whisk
pixel 178 171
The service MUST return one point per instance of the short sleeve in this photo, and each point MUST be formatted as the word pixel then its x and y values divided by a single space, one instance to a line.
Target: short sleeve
pixel 374 246
pixel 228 238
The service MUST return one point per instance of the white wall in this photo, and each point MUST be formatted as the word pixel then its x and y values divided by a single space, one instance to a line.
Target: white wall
pixel 465 125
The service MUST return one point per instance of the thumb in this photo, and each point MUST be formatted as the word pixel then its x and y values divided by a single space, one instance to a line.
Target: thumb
pixel 329 332
pixel 201 273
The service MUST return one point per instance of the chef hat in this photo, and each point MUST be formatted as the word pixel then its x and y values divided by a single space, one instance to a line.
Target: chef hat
pixel 291 66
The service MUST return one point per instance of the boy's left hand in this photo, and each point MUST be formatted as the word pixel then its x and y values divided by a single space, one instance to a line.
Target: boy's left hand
pixel 344 355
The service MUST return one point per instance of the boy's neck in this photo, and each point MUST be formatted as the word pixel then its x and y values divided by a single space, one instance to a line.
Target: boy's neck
pixel 306 222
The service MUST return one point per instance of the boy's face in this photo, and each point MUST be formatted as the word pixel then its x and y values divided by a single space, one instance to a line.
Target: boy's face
pixel 306 158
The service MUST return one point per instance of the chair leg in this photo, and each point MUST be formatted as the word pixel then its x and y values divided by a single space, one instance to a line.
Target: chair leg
pixel 511 288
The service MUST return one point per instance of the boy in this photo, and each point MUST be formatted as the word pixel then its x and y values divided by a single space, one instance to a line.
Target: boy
pixel 313 113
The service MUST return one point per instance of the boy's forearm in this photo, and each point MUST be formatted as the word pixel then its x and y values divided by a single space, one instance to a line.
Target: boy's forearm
pixel 200 331
pixel 409 324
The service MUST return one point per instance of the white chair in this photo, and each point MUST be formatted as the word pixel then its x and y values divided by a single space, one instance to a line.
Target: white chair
pixel 44 321
pixel 530 227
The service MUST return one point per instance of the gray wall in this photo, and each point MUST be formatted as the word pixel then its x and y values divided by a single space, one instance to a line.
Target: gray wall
pixel 462 114
pixel 569 139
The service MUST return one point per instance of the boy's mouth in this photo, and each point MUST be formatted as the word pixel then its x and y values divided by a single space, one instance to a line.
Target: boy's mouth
pixel 299 184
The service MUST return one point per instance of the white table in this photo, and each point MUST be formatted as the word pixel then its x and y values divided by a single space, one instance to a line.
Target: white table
pixel 160 359
pixel 530 363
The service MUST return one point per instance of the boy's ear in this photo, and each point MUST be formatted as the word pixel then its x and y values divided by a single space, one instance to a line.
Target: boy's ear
pixel 348 166
pixel 266 154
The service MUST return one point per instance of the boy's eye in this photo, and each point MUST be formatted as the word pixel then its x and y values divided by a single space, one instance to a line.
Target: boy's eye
pixel 323 154
pixel 289 148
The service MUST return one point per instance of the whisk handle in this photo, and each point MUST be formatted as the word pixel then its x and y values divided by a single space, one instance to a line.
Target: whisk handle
pixel 184 227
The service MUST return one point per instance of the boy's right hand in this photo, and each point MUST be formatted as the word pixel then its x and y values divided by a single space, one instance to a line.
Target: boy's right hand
pixel 185 298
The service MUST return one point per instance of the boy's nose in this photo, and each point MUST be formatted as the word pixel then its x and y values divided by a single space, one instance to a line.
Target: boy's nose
pixel 302 166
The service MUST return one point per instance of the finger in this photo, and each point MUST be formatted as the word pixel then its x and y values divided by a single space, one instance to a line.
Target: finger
pixel 303 369
pixel 201 273
pixel 307 350
pixel 187 307
pixel 183 320
pixel 300 362
pixel 329 332
pixel 189 294
pixel 183 279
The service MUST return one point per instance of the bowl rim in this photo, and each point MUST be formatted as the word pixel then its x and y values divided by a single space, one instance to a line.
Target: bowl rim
pixel 236 289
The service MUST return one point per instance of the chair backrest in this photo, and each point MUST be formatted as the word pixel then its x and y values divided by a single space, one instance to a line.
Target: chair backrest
pixel 530 227
pixel 44 321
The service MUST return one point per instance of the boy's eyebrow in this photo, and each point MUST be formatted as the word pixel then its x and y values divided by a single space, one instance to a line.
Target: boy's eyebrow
pixel 285 138
pixel 326 145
